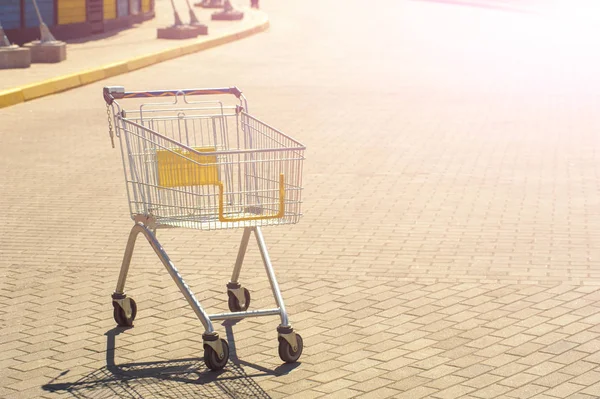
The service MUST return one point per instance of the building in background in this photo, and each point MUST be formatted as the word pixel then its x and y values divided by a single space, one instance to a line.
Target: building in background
pixel 69 19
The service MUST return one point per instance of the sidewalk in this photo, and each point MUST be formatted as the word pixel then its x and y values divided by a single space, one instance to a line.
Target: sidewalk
pixel 114 49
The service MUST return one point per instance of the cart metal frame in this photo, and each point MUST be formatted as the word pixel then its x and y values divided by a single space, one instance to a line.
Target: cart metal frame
pixel 216 350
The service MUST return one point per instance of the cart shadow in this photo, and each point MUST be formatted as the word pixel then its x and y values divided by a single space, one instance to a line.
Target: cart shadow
pixel 177 379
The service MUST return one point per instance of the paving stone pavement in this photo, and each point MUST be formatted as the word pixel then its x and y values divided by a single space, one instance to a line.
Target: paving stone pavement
pixel 448 248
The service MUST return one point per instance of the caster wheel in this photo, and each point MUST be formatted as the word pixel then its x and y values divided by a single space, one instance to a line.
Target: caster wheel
pixel 234 303
pixel 287 353
pixel 120 316
pixel 211 358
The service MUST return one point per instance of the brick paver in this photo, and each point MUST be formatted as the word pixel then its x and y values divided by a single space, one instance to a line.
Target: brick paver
pixel 448 247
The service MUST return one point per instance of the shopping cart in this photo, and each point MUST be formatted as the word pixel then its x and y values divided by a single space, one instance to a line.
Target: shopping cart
pixel 206 165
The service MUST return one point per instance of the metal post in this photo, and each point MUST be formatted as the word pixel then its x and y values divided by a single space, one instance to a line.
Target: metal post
pixel 45 34
pixel 176 14
pixel 193 19
pixel 4 42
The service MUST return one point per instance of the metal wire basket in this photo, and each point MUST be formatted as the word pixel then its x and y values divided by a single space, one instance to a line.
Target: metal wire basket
pixel 207 165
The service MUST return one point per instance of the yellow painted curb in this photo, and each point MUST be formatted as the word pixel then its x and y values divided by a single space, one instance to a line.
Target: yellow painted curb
pixel 142 62
pixel 220 40
pixel 39 89
pixel 11 97
pixel 169 54
pixel 190 48
pixel 115 69
pixel 35 90
pixel 66 82
pixel 93 75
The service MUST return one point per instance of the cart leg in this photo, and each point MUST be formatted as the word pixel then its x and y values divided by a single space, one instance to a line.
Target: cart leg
pixel 240 258
pixel 124 308
pixel 239 297
pixel 216 351
pixel 126 261
pixel 290 342
pixel 127 258
pixel 271 274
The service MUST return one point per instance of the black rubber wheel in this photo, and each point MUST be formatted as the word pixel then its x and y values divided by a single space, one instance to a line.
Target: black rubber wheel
pixel 286 353
pixel 234 303
pixel 120 317
pixel 211 359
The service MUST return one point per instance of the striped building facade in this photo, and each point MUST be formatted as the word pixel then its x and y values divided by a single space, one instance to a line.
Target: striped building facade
pixel 69 19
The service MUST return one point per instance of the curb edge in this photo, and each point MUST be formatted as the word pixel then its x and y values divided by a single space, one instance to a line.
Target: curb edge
pixel 58 84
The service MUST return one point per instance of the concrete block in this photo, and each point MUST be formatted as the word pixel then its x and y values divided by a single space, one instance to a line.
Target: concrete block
pixel 14 57
pixel 200 28
pixel 210 4
pixel 48 52
pixel 177 32
pixel 232 15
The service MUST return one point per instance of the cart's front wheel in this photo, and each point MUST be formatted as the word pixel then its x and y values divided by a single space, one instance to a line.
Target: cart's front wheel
pixel 121 316
pixel 211 358
pixel 287 353
pixel 234 302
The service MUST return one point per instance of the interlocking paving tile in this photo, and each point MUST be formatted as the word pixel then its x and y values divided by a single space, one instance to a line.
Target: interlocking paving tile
pixel 448 247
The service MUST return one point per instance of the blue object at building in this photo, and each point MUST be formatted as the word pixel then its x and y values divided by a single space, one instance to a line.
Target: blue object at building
pixel 10 14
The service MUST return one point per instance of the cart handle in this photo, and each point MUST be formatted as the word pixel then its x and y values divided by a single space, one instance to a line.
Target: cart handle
pixel 278 215
pixel 112 93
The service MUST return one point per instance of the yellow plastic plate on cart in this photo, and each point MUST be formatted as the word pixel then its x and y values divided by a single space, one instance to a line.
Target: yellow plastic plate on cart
pixel 176 169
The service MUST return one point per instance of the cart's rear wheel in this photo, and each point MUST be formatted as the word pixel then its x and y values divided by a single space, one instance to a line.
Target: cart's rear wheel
pixel 120 316
pixel 287 353
pixel 211 358
pixel 234 303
